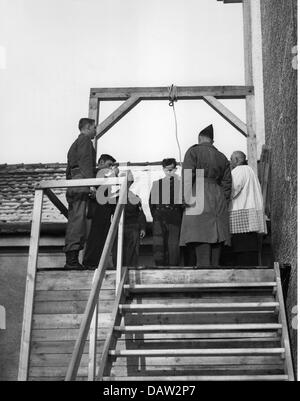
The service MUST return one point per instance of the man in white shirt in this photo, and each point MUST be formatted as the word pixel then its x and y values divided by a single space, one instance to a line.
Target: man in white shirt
pixel 246 211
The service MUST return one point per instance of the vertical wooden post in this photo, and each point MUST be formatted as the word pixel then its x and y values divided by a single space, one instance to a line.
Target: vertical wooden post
pixel 251 139
pixel 30 285
pixel 94 114
pixel 254 77
pixel 120 251
pixel 93 344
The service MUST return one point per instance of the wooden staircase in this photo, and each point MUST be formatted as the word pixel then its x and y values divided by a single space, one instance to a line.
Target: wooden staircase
pixel 155 323
pixel 165 324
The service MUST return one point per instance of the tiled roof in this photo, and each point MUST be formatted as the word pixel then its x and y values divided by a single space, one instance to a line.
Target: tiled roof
pixel 17 183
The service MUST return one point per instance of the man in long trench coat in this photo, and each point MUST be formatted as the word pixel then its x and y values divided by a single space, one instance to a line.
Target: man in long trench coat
pixel 208 229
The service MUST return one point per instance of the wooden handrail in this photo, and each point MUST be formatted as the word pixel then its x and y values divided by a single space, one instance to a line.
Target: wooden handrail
pixel 83 182
pixel 93 344
pixel 120 251
pixel 96 286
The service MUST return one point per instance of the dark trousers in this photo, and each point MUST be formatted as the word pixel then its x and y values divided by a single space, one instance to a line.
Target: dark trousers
pixel 131 246
pixel 166 243
pixel 76 226
pixel 189 255
pixel 208 254
pixel 245 249
pixel 100 224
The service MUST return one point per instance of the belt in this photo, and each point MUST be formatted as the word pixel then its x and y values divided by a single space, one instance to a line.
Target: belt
pixel 170 207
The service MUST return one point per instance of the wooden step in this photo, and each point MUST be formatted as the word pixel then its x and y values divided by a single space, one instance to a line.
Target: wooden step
pixel 198 268
pixel 197 365
pixel 197 287
pixel 200 378
pixel 199 307
pixel 192 276
pixel 198 327
pixel 197 352
pixel 66 347
pixel 175 363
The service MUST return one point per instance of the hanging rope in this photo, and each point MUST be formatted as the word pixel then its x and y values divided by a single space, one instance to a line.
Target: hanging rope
pixel 172 100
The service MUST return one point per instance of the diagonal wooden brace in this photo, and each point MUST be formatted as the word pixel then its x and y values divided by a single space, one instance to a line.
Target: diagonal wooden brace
pixel 227 114
pixel 56 202
pixel 114 117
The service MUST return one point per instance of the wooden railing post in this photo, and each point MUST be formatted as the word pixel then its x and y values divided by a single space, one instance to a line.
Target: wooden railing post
pixel 120 252
pixel 30 285
pixel 93 344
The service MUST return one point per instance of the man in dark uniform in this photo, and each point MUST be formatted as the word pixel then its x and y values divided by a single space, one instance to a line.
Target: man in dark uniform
pixel 166 208
pixel 208 229
pixel 81 164
pixel 100 215
pixel 134 227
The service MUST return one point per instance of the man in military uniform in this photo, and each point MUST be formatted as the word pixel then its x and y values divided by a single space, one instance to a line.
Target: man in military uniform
pixel 134 226
pixel 100 215
pixel 166 208
pixel 81 164
pixel 208 229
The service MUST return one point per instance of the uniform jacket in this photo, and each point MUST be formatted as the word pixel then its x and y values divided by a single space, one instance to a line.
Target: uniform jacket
pixel 82 155
pixel 211 225
pixel 81 164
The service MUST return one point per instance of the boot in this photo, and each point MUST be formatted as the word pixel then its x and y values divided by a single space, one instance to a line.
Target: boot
pixel 72 261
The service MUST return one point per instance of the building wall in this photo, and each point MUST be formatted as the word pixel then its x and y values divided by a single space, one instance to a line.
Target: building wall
pixel 279 29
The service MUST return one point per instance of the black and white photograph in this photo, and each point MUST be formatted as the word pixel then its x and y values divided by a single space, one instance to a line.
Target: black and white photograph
pixel 148 193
